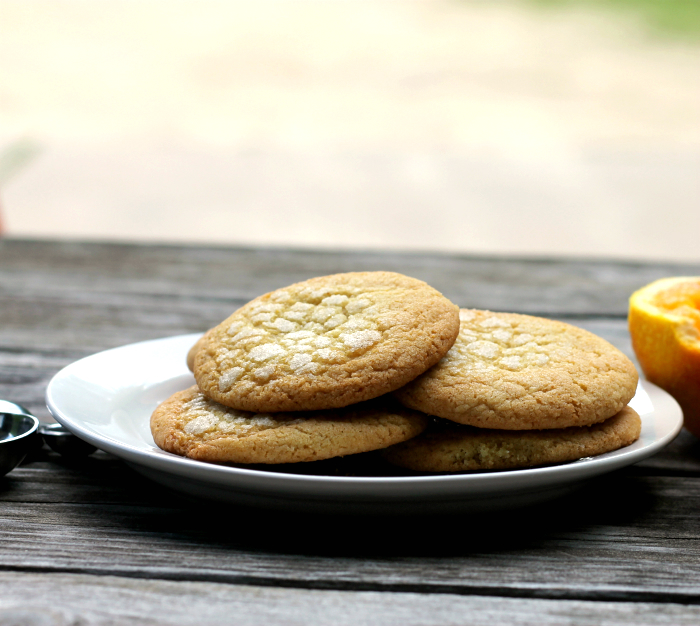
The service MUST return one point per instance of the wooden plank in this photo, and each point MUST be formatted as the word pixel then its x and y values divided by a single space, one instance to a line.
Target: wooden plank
pixel 44 324
pixel 59 600
pixel 538 286
pixel 31 352
pixel 625 537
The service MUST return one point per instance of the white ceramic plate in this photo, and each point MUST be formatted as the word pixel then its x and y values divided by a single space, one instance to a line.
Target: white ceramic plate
pixel 107 399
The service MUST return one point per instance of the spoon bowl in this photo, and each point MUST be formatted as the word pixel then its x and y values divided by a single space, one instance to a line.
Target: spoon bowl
pixel 18 433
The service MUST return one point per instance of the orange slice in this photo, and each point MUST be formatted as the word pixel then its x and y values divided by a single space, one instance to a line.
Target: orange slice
pixel 664 322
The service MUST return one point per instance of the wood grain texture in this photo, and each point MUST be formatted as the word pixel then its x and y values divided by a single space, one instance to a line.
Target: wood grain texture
pixel 62 270
pixel 627 536
pixel 119 546
pixel 72 600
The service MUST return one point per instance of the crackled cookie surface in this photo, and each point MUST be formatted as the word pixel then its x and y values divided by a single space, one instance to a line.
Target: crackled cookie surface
pixel 192 425
pixel 327 342
pixel 518 372
pixel 449 447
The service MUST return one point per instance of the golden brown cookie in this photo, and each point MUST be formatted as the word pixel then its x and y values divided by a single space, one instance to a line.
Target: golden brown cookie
pixel 192 425
pixel 326 343
pixel 449 447
pixel 518 372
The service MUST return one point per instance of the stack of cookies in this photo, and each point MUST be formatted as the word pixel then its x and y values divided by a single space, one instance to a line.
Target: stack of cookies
pixel 349 363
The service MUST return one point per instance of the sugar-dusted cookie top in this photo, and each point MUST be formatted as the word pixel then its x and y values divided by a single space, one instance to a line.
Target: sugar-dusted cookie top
pixel 327 342
pixel 450 447
pixel 192 425
pixel 518 372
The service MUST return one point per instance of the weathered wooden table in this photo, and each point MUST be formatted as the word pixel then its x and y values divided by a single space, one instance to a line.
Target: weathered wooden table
pixel 91 542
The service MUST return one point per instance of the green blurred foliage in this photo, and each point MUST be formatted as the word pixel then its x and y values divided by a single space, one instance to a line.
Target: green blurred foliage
pixel 676 17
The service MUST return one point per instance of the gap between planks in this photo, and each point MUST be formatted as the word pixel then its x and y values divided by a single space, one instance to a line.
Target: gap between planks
pixel 589 595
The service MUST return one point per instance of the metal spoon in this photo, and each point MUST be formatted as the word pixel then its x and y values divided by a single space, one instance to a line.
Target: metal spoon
pixel 21 433
pixel 18 435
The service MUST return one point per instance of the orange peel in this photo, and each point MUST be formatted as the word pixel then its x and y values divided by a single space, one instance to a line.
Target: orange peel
pixel 664 323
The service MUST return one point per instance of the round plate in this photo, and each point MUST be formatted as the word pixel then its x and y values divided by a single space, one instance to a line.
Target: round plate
pixel 107 399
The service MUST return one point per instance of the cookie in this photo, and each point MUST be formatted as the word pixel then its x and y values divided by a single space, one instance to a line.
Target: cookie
pixel 326 343
pixel 450 447
pixel 192 425
pixel 518 372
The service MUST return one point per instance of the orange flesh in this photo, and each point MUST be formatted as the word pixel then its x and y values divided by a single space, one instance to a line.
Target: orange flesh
pixel 682 300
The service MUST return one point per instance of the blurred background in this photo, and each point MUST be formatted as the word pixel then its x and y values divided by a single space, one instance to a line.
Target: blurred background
pixel 494 126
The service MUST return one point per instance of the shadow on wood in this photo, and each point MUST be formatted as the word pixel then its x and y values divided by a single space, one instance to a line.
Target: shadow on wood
pixel 103 493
